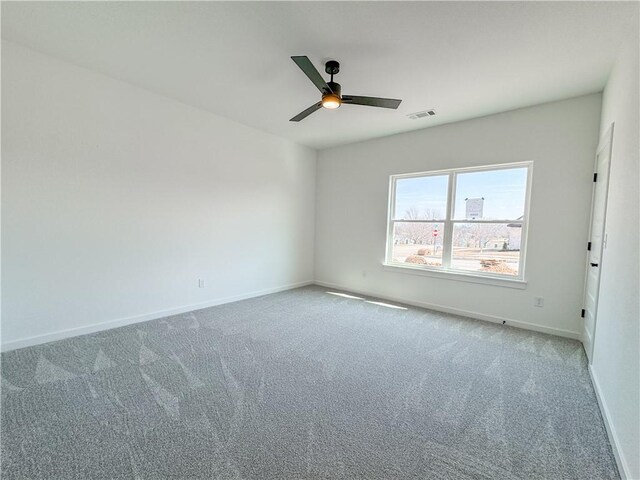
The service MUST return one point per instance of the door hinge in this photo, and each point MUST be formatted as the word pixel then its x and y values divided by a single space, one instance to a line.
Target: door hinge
pixel 595 177
pixel 582 314
pixel 589 246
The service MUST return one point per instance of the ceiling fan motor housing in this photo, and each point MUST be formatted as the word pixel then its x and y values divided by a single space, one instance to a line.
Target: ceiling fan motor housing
pixel 335 88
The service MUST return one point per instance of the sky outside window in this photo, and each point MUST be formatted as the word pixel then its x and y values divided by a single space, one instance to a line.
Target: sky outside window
pixel 426 196
pixel 503 191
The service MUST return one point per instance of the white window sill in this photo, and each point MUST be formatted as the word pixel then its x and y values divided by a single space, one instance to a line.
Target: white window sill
pixel 456 276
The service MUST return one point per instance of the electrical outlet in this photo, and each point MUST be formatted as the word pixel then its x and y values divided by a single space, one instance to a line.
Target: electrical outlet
pixel 201 283
pixel 538 302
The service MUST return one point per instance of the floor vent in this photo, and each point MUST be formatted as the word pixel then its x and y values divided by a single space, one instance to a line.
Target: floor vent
pixel 422 114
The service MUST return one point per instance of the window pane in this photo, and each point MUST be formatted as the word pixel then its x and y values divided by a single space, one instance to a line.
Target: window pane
pixel 491 194
pixel 487 247
pixel 421 198
pixel 417 243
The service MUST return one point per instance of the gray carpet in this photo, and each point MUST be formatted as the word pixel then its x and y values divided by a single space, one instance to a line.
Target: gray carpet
pixel 303 385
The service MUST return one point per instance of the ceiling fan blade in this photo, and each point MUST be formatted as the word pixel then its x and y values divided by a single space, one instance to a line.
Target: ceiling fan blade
pixel 371 101
pixel 310 71
pixel 306 112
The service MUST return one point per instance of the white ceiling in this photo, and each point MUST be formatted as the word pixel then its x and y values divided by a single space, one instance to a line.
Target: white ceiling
pixel 464 59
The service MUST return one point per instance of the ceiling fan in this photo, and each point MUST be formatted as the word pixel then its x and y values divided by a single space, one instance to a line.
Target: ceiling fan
pixel 331 91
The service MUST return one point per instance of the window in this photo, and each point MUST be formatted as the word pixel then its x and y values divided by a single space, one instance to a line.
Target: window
pixel 470 221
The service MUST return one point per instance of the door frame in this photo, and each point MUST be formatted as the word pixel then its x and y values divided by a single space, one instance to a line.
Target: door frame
pixel 606 142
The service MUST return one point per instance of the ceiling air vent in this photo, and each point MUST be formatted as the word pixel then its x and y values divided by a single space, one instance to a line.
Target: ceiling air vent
pixel 422 114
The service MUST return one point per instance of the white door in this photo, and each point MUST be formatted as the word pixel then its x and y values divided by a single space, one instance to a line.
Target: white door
pixel 597 240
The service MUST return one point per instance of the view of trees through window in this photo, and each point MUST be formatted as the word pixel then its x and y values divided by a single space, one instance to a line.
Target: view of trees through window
pixel 476 227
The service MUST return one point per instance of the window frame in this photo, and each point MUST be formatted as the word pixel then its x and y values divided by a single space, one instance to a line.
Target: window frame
pixel 446 270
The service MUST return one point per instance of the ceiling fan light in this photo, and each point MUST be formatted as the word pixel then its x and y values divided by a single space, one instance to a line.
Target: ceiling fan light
pixel 331 101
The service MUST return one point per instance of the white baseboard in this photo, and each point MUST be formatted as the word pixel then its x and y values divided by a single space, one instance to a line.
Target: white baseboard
pixel 623 468
pixel 120 322
pixel 457 311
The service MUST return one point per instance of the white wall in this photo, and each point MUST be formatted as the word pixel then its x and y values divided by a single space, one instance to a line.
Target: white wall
pixel 560 138
pixel 115 201
pixel 616 357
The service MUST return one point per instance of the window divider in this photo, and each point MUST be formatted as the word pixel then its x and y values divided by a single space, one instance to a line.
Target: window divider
pixel 402 220
pixel 447 244
pixel 485 221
